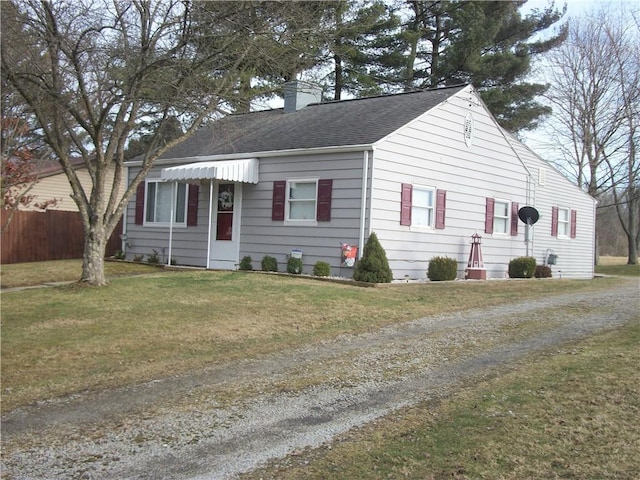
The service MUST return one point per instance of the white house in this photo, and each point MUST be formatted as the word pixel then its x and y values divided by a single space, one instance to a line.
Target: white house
pixel 425 170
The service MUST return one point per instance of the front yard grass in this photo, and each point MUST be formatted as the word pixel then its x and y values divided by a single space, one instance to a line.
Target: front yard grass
pixel 61 340
pixel 573 413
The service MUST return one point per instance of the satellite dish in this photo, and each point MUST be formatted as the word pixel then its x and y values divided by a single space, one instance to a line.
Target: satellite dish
pixel 528 215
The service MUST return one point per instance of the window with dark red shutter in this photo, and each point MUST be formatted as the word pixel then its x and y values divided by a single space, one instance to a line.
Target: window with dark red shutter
pixel 325 188
pixel 279 196
pixel 140 203
pixel 554 221
pixel 514 219
pixel 488 217
pixel 405 204
pixel 192 206
pixel 574 223
pixel 441 205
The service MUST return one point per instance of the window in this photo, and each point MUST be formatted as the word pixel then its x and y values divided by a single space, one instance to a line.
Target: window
pixel 303 200
pixel 422 206
pixel 501 217
pixel 158 203
pixel 563 222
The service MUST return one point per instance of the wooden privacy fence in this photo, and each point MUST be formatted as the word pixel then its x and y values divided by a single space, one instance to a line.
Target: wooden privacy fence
pixel 50 235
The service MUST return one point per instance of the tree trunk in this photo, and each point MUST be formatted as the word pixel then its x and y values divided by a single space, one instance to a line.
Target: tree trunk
pixel 95 244
pixel 632 230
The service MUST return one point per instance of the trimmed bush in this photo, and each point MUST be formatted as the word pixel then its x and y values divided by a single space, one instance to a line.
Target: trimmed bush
pixel 269 264
pixel 246 263
pixel 543 271
pixel 442 269
pixel 373 267
pixel 522 267
pixel 294 265
pixel 322 269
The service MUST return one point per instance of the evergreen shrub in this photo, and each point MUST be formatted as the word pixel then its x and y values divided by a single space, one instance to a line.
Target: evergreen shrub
pixel 522 267
pixel 543 271
pixel 373 267
pixel 442 269
pixel 269 264
pixel 246 263
pixel 294 265
pixel 322 269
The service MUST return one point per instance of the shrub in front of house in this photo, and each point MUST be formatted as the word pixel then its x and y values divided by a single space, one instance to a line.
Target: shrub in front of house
pixel 322 269
pixel 269 264
pixel 543 271
pixel 246 263
pixel 442 269
pixel 294 265
pixel 154 258
pixel 522 267
pixel 373 267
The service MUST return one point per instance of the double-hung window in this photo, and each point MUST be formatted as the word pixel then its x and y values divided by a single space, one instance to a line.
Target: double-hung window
pixel 161 199
pixel 501 217
pixel 563 222
pixel 301 199
pixel 422 207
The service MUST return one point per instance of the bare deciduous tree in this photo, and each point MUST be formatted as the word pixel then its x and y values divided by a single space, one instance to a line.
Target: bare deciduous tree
pixel 595 81
pixel 91 71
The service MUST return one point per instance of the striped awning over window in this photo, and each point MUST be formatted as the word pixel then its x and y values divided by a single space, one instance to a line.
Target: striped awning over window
pixel 244 170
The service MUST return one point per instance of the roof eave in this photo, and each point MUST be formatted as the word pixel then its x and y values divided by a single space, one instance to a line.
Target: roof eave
pixel 263 154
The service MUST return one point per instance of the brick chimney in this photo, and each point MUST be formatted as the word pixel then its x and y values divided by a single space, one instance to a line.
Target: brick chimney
pixel 298 94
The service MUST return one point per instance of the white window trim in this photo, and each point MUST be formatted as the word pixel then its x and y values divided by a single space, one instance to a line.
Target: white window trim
pixel 147 223
pixel 566 235
pixel 431 226
pixel 507 231
pixel 295 221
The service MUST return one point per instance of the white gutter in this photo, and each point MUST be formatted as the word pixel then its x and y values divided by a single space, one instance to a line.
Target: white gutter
pixel 123 237
pixel 373 155
pixel 363 205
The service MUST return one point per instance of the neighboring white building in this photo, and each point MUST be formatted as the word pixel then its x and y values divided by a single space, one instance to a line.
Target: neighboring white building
pixel 425 170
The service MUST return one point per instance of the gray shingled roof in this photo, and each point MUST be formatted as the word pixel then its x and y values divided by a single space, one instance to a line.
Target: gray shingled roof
pixel 340 123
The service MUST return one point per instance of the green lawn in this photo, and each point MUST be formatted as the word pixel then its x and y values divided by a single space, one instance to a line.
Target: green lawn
pixel 60 340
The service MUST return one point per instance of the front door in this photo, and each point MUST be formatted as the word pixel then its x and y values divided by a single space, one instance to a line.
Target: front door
pixel 225 222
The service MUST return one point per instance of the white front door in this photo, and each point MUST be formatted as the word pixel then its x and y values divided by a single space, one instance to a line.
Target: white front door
pixel 225 226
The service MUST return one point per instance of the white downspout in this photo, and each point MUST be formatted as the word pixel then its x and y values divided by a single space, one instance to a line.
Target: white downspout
pixel 373 154
pixel 174 196
pixel 363 205
pixel 210 223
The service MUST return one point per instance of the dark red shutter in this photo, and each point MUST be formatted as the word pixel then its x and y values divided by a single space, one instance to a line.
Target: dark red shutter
pixel 441 205
pixel 140 203
pixel 574 223
pixel 554 221
pixel 325 187
pixel 192 206
pixel 405 204
pixel 488 217
pixel 279 194
pixel 514 219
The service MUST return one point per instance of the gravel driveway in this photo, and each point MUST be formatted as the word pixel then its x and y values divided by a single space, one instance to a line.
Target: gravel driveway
pixel 217 423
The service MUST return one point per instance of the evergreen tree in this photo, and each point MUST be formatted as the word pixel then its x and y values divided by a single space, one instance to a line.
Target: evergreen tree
pixel 488 44
pixel 373 267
